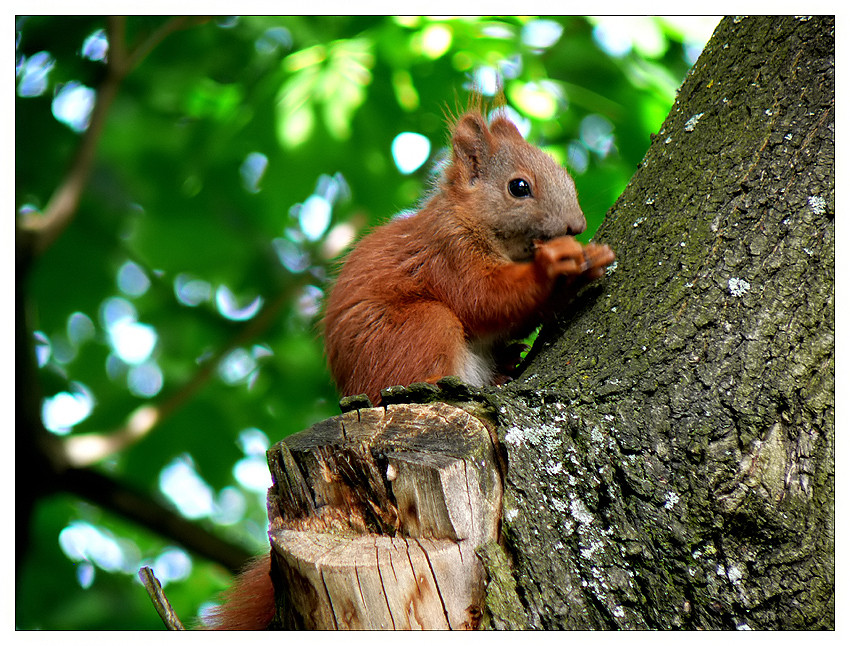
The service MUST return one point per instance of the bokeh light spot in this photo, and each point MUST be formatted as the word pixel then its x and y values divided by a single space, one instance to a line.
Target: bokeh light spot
pixel 73 105
pixel 410 150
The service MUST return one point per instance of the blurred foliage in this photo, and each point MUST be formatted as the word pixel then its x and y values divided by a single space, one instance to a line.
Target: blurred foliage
pixel 237 161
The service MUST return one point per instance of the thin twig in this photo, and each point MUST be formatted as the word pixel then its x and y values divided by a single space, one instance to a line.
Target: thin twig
pixel 160 601
pixel 155 38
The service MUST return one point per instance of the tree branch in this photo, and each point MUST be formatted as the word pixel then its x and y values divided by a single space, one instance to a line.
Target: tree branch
pixel 155 38
pixel 41 229
pixel 140 508
pixel 89 448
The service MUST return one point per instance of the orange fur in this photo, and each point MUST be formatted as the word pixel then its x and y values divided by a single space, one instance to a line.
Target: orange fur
pixel 435 293
pixel 249 603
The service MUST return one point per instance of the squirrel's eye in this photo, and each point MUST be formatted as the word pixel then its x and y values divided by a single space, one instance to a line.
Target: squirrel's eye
pixel 519 187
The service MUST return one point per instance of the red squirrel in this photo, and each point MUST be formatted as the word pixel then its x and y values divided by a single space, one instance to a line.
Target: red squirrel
pixel 435 293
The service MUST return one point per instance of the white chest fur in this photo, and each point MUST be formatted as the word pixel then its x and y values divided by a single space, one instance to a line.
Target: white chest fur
pixel 477 366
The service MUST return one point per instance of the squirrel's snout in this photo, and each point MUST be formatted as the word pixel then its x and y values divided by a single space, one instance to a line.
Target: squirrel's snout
pixel 577 225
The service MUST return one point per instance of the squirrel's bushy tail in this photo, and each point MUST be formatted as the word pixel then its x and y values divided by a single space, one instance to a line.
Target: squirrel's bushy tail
pixel 249 603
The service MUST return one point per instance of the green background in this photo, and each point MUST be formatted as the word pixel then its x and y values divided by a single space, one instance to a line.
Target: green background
pixel 171 199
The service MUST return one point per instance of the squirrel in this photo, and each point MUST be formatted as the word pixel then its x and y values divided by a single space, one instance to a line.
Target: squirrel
pixel 441 292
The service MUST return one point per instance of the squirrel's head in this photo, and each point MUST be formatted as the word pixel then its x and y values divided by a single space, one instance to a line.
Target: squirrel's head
pixel 515 190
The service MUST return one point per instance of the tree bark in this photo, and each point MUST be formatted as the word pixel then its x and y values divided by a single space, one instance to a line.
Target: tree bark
pixel 671 447
pixel 667 457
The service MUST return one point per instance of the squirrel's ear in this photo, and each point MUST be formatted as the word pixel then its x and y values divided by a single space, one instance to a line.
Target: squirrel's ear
pixel 470 145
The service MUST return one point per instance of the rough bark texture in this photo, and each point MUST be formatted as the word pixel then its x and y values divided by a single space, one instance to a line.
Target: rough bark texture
pixel 671 446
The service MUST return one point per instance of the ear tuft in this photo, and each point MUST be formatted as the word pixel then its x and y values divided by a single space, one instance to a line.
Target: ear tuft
pixel 471 145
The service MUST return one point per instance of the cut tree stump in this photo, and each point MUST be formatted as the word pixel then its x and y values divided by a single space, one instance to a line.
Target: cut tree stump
pixel 375 516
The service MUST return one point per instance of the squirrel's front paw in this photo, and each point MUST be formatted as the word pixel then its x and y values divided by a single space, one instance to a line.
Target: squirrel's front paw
pixel 597 257
pixel 567 256
pixel 560 256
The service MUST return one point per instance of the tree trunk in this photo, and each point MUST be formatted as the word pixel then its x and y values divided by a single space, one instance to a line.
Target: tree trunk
pixel 671 449
pixel 667 458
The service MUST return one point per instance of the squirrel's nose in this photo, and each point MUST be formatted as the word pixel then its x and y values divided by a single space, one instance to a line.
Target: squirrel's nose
pixel 577 225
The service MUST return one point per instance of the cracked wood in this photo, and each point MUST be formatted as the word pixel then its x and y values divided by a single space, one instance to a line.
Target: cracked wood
pixel 375 518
